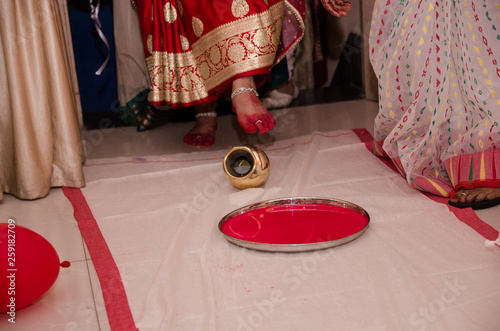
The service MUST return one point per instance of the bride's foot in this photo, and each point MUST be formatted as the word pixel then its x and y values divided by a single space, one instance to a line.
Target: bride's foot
pixel 477 198
pixel 203 132
pixel 252 115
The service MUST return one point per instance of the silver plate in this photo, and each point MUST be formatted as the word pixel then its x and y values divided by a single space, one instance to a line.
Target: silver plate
pixel 294 247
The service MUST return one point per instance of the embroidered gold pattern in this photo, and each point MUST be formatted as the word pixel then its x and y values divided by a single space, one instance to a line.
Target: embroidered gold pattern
pixel 236 52
pixel 197 27
pixel 184 43
pixel 215 55
pixel 239 8
pixel 169 13
pixel 179 7
pixel 149 43
pixel 246 44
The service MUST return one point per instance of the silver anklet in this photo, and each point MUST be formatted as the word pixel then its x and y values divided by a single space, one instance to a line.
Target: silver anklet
pixel 207 114
pixel 243 90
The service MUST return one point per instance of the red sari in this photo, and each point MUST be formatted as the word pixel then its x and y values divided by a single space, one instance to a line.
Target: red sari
pixel 196 48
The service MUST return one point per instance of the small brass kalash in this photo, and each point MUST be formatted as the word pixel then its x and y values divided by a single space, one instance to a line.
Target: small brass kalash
pixel 246 166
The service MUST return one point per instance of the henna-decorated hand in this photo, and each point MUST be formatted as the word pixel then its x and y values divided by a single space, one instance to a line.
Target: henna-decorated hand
pixel 337 8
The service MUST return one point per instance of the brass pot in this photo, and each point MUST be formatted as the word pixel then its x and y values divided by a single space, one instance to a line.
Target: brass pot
pixel 246 166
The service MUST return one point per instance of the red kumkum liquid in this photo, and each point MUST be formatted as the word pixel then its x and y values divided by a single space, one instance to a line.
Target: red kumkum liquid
pixel 295 224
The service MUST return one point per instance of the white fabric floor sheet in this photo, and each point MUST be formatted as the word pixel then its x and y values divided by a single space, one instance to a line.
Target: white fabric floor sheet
pixel 417 267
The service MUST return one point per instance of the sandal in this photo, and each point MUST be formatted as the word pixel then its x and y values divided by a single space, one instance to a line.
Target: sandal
pixel 475 204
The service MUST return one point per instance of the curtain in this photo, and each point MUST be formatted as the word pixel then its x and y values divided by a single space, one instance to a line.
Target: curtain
pixel 40 143
pixel 130 59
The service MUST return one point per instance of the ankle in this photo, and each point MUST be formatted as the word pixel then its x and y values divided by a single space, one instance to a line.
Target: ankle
pixel 244 82
pixel 241 90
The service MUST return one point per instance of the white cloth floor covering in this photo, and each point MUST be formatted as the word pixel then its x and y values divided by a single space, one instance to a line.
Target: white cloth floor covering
pixel 416 267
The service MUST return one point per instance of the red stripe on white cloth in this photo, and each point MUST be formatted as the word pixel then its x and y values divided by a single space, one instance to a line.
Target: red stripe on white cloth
pixel 465 215
pixel 115 299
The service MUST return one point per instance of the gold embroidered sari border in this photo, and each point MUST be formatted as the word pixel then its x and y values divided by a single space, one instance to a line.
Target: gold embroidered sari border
pixel 253 64
pixel 245 24
pixel 243 45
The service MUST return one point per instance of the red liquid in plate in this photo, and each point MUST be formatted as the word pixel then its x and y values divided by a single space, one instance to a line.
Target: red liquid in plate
pixel 295 224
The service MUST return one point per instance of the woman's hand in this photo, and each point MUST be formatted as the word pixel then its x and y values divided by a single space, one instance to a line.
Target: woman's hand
pixel 337 8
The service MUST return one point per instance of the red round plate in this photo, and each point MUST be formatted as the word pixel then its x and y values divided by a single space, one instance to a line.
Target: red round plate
pixel 295 224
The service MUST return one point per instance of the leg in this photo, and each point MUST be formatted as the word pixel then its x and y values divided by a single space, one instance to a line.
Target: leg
pixel 252 115
pixel 203 132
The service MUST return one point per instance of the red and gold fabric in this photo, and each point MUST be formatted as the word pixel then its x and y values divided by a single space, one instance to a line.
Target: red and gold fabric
pixel 195 49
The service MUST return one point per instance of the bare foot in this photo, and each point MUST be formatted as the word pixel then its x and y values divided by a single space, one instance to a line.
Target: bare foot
pixel 475 195
pixel 252 115
pixel 203 132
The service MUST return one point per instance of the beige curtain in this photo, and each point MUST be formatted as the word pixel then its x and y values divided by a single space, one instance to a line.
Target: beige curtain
pixel 132 72
pixel 40 144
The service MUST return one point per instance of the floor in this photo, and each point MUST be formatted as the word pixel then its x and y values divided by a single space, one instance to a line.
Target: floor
pixel 76 302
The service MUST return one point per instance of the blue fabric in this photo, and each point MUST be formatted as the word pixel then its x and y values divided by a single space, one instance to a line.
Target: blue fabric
pixel 98 93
